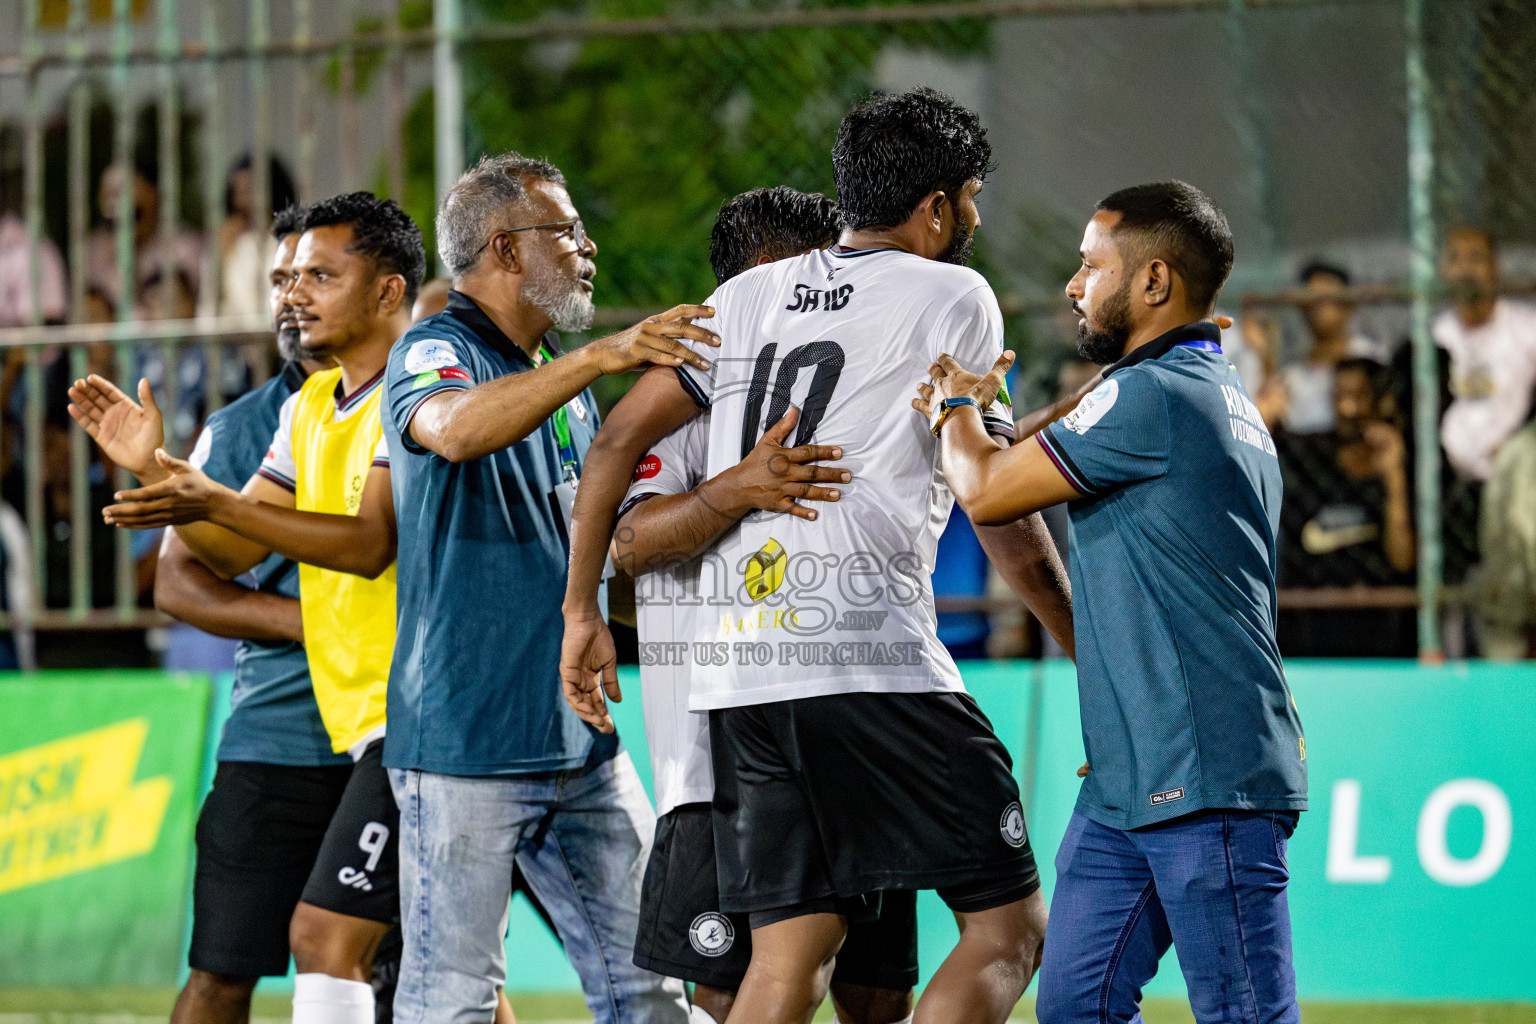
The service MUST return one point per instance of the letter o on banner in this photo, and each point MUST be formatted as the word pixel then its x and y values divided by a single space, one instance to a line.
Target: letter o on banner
pixel 1498 826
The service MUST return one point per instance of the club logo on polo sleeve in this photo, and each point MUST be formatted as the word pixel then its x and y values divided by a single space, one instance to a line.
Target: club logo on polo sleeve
pixel 1092 408
pixel 1012 825
pixel 429 354
pixel 712 934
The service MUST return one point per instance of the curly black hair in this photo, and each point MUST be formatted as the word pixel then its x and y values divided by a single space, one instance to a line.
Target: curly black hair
pixel 774 222
pixel 381 232
pixel 1178 223
pixel 288 221
pixel 894 150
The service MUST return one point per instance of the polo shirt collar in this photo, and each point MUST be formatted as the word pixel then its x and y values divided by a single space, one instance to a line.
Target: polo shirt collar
pixel 469 313
pixel 1197 332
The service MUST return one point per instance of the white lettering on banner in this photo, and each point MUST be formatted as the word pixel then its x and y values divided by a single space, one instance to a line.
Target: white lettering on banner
pixel 1247 423
pixel 1498 827
pixel 1346 865
pixel 1344 862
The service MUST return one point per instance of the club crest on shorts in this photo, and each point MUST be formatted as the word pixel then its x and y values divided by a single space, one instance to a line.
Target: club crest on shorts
pixel 712 934
pixel 1012 825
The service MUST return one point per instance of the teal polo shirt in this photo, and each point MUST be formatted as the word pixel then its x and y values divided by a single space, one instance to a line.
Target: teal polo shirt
pixel 474 688
pixel 1184 701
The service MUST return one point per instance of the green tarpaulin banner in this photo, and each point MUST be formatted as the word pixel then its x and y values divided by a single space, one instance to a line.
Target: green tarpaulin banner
pixel 98 789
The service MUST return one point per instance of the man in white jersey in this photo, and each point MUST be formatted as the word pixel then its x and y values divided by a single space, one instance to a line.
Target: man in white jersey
pixel 847 757
pixel 682 932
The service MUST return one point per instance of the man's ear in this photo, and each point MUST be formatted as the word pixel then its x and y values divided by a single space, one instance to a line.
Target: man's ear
pixel 504 251
pixel 1157 278
pixel 931 210
pixel 764 258
pixel 391 293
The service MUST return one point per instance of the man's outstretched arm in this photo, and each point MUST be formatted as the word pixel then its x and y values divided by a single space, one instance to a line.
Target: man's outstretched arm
pixel 1026 558
pixel 187 590
pixel 653 408
pixel 264 517
pixel 467 424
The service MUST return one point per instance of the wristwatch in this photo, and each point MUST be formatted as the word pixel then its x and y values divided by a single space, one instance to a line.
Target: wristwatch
pixel 942 410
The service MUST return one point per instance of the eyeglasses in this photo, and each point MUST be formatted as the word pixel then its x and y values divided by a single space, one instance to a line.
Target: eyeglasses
pixel 574 226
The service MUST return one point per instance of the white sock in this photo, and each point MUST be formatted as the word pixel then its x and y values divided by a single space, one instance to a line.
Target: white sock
pixel 698 1015
pixel 322 999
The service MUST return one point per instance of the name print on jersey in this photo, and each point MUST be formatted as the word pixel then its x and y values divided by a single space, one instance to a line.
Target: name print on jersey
pixel 1247 423
pixel 809 297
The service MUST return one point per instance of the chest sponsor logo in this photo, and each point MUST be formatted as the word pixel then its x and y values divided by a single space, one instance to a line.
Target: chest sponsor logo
pixel 648 467
pixel 72 805
pixel 712 934
pixel 808 297
pixel 1011 825
pixel 578 408
pixel 429 354
pixel 1167 796
pixel 1092 408
pixel 765 570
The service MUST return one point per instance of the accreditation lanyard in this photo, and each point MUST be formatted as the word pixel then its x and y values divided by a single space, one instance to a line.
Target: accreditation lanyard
pixel 562 418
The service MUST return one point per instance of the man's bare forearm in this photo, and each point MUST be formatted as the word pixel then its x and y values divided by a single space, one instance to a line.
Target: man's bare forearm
pixel 486 418
pixel 223 551
pixel 668 529
pixel 1027 560
pixel 360 545
pixel 654 407
pixel 187 590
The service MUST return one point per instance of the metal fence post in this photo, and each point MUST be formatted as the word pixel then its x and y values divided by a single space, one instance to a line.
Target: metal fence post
pixel 448 94
pixel 1426 370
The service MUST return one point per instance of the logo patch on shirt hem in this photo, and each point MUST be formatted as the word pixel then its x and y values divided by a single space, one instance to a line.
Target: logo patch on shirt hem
pixel 1167 796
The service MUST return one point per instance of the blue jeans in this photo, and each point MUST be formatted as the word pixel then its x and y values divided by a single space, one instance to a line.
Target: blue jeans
pixel 1212 885
pixel 581 839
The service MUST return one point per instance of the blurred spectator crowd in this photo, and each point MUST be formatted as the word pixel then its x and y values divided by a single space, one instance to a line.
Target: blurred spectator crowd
pixel 174 275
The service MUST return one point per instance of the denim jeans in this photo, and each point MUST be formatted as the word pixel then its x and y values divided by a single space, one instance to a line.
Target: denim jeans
pixel 581 839
pixel 1212 885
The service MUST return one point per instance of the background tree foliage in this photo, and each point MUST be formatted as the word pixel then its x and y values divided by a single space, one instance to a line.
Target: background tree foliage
pixel 656 131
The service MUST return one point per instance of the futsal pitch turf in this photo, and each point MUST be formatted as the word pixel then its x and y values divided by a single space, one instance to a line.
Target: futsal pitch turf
pixel 40 1006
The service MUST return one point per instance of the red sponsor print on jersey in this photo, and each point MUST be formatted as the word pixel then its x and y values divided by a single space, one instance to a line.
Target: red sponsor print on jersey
pixel 453 372
pixel 649 467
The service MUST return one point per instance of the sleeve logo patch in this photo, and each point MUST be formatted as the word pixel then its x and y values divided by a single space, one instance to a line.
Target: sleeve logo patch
pixel 429 354
pixel 649 467
pixel 431 377
pixel 1092 408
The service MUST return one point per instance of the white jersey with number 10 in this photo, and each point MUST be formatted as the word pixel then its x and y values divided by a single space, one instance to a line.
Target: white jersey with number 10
pixel 843 604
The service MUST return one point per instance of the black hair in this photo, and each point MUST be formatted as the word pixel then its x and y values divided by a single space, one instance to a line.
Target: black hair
pixel 1175 222
pixel 288 220
pixel 281 192
pixel 1374 371
pixel 381 231
pixel 892 151
pixel 1317 267
pixel 773 222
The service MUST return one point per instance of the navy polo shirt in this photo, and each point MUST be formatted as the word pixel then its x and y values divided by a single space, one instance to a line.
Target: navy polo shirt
pixel 273 717
pixel 474 688
pixel 1184 701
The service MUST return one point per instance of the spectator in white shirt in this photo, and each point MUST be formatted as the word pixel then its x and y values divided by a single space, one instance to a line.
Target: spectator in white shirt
pixel 1492 345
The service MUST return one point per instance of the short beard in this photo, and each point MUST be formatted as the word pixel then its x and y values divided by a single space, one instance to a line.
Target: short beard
pixel 558 297
pixel 1107 344
pixel 288 345
pixel 959 249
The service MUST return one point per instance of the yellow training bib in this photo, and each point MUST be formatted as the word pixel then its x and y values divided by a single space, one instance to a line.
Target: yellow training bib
pixel 349 621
